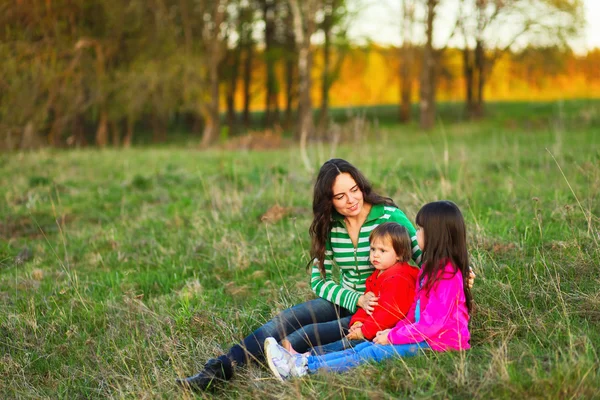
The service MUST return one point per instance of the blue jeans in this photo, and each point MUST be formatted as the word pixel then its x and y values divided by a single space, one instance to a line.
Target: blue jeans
pixel 365 352
pixel 313 323
pixel 340 345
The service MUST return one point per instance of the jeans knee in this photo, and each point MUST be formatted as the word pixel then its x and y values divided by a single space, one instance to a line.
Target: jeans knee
pixel 370 353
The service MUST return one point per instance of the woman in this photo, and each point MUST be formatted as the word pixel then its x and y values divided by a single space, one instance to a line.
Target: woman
pixel 345 211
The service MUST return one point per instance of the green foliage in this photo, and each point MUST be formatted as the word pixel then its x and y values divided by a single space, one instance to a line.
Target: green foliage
pixel 67 63
pixel 143 263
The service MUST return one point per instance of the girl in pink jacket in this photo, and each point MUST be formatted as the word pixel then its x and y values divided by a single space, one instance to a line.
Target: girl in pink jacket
pixel 438 319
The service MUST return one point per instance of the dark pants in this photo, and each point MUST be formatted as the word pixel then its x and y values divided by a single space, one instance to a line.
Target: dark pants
pixel 313 323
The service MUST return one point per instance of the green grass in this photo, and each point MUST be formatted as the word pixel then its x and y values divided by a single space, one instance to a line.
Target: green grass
pixel 121 270
pixel 514 115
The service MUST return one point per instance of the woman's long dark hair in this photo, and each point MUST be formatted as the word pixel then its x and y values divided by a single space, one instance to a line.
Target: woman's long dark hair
pixel 445 237
pixel 320 228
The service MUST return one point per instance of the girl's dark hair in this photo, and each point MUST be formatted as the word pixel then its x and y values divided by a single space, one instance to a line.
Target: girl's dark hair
pixel 445 237
pixel 399 237
pixel 323 210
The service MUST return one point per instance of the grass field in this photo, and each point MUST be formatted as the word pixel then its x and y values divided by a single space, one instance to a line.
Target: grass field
pixel 123 269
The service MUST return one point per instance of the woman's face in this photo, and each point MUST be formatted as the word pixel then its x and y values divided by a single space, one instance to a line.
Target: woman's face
pixel 347 196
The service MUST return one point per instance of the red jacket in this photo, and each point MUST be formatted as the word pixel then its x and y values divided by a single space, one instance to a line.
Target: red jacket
pixel 395 288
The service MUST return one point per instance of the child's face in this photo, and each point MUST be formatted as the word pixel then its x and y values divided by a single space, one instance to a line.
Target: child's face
pixel 421 237
pixel 383 255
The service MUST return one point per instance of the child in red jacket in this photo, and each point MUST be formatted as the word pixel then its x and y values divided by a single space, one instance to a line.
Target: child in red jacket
pixel 392 283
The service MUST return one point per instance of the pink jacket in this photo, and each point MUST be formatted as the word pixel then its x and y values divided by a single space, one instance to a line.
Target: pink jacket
pixel 444 318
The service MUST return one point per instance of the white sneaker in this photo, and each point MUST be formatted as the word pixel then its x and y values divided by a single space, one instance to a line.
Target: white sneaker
pixel 282 363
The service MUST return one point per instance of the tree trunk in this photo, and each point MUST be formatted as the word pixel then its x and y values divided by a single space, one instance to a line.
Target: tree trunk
pixel 29 139
pixel 304 101
pixel 78 131
pixel 304 27
pixel 290 69
pixel 428 75
pixel 406 85
pixel 127 140
pixel 480 70
pixel 209 129
pixel 211 110
pixel 469 83
pixel 270 78
pixel 289 89
pixel 115 134
pixel 247 83
pixel 102 131
pixel 406 62
pixel 232 88
pixel 215 45
pixel 55 130
pixel 325 77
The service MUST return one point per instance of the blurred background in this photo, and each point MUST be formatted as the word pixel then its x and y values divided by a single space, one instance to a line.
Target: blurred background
pixel 122 269
pixel 78 73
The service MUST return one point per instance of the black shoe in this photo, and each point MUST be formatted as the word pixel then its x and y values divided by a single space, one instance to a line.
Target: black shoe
pixel 215 370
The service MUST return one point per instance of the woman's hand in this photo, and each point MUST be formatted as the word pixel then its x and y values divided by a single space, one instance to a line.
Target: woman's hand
pixel 382 337
pixel 367 302
pixel 471 279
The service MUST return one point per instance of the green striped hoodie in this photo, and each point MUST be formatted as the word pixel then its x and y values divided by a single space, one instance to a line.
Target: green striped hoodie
pixel 354 263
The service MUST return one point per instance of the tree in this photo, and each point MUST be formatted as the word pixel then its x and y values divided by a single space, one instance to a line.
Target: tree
pixel 428 73
pixel 213 49
pixel 334 26
pixel 406 59
pixel 304 26
pixel 99 49
pixel 431 60
pixel 246 43
pixel 239 26
pixel 291 65
pixel 492 27
pixel 269 9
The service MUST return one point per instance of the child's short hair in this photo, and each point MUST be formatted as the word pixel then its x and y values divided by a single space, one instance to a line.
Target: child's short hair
pixel 399 237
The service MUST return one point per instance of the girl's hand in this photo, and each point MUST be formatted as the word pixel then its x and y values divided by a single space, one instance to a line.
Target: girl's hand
pixel 355 326
pixel 368 302
pixel 382 337
pixel 471 278
pixel 355 334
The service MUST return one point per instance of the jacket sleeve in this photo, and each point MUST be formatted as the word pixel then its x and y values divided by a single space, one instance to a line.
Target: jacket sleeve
pixel 359 316
pixel 399 217
pixel 396 297
pixel 326 288
pixel 440 306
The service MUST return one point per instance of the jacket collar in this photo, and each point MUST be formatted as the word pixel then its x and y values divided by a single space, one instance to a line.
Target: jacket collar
pixel 377 211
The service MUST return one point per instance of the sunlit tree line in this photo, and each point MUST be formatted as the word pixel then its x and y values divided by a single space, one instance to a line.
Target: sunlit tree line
pixel 83 72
